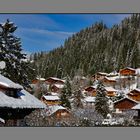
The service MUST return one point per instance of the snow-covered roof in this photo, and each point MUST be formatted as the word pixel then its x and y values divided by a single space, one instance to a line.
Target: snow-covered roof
pixel 126 97
pixel 136 107
pixel 136 89
pixel 102 73
pixel 112 73
pixel 51 97
pixel 54 108
pixel 111 78
pixel 129 68
pixel 57 79
pixel 110 89
pixel 26 100
pixel 90 99
pixel 2 120
pixel 59 85
pixel 8 83
pixel 54 94
pixel 41 79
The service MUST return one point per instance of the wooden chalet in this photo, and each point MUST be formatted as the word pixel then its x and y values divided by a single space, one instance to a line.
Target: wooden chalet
pixel 125 104
pixel 57 88
pixel 50 100
pixel 134 94
pixel 15 102
pixel 109 81
pixel 110 91
pixel 90 91
pixel 54 80
pixel 89 102
pixel 101 75
pixel 127 72
pixel 58 112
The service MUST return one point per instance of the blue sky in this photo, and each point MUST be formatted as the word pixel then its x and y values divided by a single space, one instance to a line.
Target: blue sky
pixel 43 32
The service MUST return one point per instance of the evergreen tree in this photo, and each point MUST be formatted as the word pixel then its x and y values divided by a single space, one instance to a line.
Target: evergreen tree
pixel 11 54
pixel 66 94
pixel 101 102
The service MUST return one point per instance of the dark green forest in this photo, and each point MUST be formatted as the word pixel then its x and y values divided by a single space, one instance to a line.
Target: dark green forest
pixel 93 49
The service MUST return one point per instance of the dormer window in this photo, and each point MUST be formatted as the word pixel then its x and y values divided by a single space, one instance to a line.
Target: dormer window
pixel 12 93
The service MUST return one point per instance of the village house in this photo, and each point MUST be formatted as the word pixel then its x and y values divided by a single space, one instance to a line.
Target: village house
pixel 127 72
pixel 89 102
pixel 134 94
pixel 50 100
pixel 15 102
pixel 90 91
pixel 109 81
pixel 110 91
pixel 57 88
pixel 100 75
pixel 125 104
pixel 58 111
pixel 54 80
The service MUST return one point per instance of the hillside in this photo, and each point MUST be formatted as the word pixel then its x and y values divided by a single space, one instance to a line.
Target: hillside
pixel 96 48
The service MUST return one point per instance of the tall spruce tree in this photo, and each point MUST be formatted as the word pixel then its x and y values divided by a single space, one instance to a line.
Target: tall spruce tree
pixel 101 102
pixel 11 54
pixel 66 94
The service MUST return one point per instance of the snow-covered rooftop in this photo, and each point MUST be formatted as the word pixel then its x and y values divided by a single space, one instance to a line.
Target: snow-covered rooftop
pixel 8 83
pixel 54 108
pixel 59 85
pixel 110 89
pixel 111 78
pixel 26 100
pixel 126 97
pixel 51 97
pixel 57 79
pixel 90 99
pixel 41 79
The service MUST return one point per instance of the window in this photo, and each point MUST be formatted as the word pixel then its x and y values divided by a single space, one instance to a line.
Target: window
pixel 12 93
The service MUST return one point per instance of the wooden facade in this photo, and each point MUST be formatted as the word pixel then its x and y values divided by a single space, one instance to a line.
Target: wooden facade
pixel 127 72
pixel 134 94
pixel 124 104
pixel 50 102
pixel 90 91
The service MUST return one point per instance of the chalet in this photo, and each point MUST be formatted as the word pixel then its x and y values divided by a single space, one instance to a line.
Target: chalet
pixel 134 94
pixel 109 81
pixel 89 101
pixel 125 104
pixel 57 88
pixel 110 91
pixel 54 80
pixel 101 75
pixel 90 91
pixel 127 72
pixel 15 102
pixel 58 112
pixel 50 100
pixel 37 80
